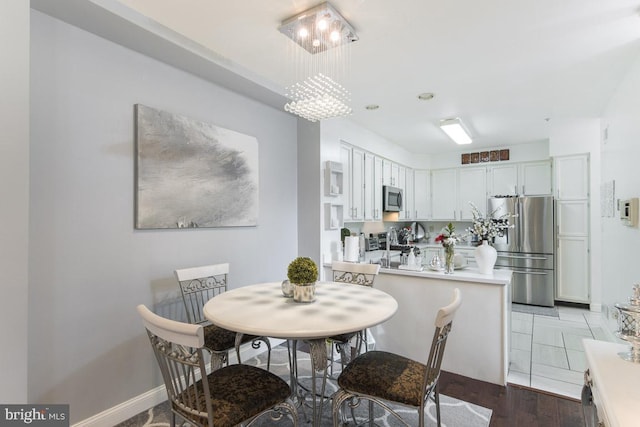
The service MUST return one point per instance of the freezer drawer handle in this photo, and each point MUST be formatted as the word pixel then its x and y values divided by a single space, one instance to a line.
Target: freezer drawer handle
pixel 523 257
pixel 529 272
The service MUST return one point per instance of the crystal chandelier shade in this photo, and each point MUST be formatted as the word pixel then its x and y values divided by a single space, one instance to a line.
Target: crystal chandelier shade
pixel 320 59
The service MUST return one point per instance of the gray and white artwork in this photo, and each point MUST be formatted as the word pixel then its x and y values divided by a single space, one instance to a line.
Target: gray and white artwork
pixel 192 174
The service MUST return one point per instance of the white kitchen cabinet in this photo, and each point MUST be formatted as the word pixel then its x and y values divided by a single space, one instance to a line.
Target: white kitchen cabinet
pixel 422 194
pixel 406 185
pixel 353 178
pixel 390 173
pixel 503 180
pixel 573 260
pixel 472 187
pixel 572 269
pixel 377 189
pixel 535 178
pixel 368 186
pixel 444 194
pixel 524 179
pixel 572 177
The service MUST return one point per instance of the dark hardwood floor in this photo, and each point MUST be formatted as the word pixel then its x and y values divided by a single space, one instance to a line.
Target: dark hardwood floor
pixel 514 406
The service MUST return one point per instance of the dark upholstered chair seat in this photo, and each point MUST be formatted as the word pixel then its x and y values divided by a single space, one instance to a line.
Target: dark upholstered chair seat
pixel 220 339
pixel 387 376
pixel 240 392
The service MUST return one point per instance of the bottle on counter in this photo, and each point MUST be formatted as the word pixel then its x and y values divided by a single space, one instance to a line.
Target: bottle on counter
pixel 361 246
pixel 411 259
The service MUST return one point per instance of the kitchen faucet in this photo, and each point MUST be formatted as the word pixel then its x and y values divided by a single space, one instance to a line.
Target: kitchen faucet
pixel 391 234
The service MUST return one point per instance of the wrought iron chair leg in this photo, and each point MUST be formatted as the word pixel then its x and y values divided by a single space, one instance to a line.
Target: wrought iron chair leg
pixel 436 398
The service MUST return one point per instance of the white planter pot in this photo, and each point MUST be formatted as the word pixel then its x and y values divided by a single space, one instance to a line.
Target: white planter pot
pixel 486 256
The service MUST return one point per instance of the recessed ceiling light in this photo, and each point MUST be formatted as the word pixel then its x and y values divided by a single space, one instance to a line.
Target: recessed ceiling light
pixel 425 96
pixel 372 107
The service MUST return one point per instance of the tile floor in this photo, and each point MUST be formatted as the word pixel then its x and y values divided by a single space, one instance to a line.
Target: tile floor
pixel 547 353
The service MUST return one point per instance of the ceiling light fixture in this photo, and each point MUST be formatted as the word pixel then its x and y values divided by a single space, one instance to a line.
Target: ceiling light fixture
pixel 316 93
pixel 455 130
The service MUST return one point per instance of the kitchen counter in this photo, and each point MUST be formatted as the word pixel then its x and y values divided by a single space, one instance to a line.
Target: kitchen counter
pixel 478 346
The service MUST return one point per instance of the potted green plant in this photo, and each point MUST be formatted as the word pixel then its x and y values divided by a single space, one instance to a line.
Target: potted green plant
pixel 303 274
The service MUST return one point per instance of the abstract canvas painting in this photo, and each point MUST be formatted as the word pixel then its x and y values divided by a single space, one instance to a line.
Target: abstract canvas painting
pixel 191 174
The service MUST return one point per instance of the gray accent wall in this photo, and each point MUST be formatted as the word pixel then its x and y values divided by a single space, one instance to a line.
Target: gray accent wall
pixel 88 268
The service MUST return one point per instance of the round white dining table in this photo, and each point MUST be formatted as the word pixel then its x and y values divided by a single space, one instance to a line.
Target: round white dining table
pixel 339 308
pixel 262 310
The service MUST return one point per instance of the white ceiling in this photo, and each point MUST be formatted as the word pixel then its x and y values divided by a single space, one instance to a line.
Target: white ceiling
pixel 508 68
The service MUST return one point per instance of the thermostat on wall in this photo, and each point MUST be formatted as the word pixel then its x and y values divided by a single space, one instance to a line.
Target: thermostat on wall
pixel 629 212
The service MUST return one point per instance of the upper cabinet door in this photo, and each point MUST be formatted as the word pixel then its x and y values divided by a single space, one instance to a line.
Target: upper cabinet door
pixel 368 187
pixel 357 184
pixel 503 180
pixel 422 194
pixel 345 159
pixel 443 194
pixel 572 177
pixel 472 188
pixel 377 188
pixel 535 178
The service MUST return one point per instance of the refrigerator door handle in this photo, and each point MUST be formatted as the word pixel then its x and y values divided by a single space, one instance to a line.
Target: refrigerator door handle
pixel 541 258
pixel 530 272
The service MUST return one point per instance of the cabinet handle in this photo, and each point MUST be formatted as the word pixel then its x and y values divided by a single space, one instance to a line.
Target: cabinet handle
pixel 356 212
pixel 523 190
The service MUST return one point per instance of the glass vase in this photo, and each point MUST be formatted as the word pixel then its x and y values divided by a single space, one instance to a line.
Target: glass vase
pixel 448 259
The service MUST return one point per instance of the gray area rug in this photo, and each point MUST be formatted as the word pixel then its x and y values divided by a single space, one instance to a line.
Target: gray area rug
pixel 454 412
pixel 535 309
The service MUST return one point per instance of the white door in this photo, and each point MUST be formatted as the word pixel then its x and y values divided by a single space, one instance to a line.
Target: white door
pixel 357 185
pixel 503 180
pixel 572 271
pixel 472 188
pixel 345 159
pixel 535 178
pixel 377 188
pixel 409 198
pixel 572 177
pixel 368 187
pixel 443 194
pixel 422 194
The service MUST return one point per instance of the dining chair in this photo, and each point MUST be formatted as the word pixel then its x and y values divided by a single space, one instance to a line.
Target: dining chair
pixel 198 285
pixel 353 274
pixel 225 397
pixel 379 377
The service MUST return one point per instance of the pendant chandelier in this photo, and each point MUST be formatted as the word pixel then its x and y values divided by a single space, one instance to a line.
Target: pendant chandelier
pixel 320 59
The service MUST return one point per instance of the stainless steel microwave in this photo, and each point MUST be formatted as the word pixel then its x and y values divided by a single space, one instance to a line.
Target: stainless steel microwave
pixel 392 199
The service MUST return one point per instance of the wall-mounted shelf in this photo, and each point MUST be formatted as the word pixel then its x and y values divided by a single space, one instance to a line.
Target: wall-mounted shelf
pixel 333 179
pixel 333 216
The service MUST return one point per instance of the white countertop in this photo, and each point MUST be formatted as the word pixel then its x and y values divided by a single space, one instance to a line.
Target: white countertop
pixel 616 381
pixel 469 274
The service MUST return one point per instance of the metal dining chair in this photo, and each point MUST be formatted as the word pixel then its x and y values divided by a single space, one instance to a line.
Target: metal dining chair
pixel 198 285
pixel 379 377
pixel 352 274
pixel 229 396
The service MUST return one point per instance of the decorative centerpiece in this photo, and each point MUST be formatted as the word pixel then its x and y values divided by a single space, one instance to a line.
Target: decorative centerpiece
pixel 448 238
pixel 303 274
pixel 629 325
pixel 486 229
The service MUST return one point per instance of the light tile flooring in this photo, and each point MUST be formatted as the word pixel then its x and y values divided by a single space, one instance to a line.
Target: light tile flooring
pixel 547 353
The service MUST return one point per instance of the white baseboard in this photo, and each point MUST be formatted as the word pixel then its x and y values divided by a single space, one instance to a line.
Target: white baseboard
pixel 153 397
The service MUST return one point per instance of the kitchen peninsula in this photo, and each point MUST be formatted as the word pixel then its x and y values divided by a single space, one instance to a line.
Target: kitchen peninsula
pixel 478 346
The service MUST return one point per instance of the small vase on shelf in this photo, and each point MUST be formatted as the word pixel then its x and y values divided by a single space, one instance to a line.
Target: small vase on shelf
pixel 448 259
pixel 485 256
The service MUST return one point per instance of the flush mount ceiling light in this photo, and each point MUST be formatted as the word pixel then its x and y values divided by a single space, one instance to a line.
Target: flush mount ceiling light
pixel 319 29
pixel 455 130
pixel 325 36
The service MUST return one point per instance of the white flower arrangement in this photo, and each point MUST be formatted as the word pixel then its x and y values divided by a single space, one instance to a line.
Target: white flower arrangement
pixel 489 227
pixel 448 236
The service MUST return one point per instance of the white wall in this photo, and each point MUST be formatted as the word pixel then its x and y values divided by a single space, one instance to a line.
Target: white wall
pixel 580 136
pixel 88 267
pixel 620 154
pixel 14 190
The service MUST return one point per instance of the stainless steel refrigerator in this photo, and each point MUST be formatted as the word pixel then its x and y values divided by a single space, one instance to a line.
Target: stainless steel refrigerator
pixel 528 248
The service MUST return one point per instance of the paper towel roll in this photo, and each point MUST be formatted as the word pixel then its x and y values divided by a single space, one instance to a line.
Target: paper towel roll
pixel 351 248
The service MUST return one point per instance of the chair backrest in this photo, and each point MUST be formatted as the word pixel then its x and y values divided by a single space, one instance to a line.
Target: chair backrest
pixel 198 285
pixel 356 274
pixel 443 322
pixel 178 350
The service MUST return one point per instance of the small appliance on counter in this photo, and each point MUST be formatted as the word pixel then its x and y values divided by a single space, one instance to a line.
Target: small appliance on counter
pixel 371 243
